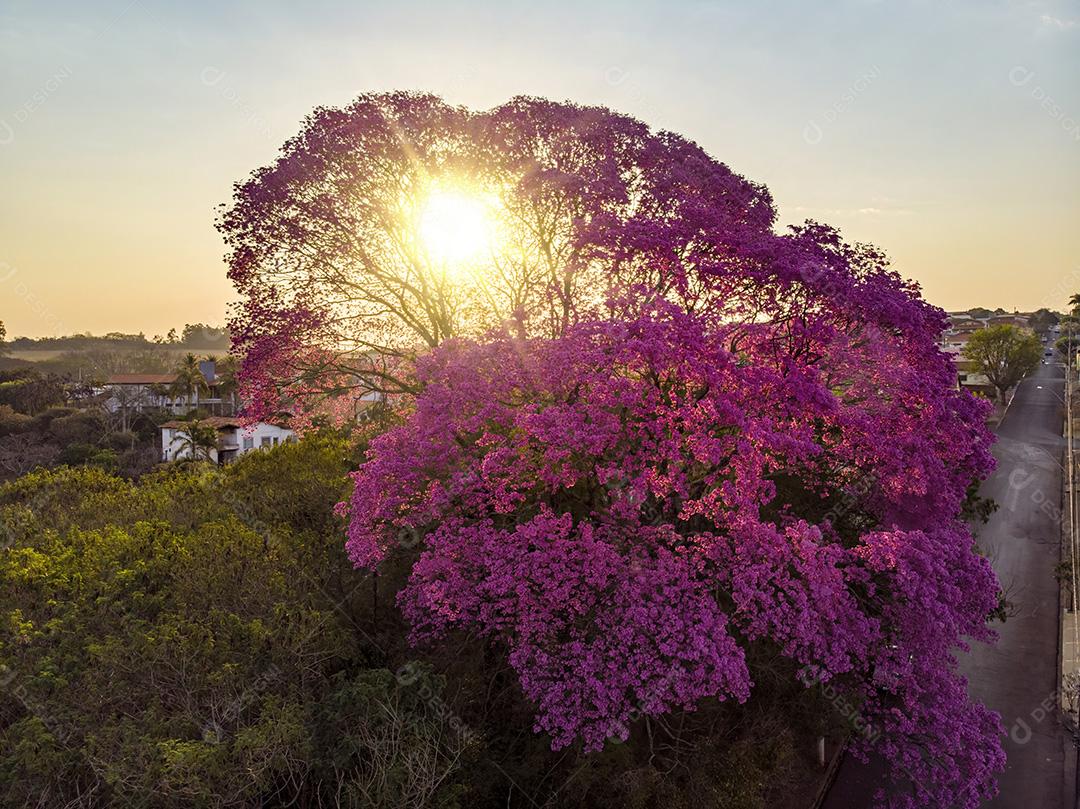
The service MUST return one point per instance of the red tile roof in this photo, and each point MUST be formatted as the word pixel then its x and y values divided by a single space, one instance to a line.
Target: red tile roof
pixel 217 422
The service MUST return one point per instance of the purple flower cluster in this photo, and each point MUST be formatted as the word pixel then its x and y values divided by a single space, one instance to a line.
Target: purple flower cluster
pixel 629 506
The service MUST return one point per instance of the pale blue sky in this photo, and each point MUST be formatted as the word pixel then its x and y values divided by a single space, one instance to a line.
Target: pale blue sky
pixel 948 133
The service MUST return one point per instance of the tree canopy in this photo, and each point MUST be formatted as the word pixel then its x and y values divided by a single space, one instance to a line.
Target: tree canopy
pixel 1004 354
pixel 648 442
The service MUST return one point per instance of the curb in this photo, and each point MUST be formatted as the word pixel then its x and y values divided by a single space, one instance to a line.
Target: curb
pixel 1069 787
pixel 831 772
pixel 1008 404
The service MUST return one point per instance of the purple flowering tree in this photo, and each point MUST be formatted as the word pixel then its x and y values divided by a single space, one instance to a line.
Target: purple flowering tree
pixel 648 436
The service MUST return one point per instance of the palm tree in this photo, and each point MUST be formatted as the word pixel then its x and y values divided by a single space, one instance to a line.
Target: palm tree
pixel 189 379
pixel 197 440
pixel 227 384
pixel 1070 328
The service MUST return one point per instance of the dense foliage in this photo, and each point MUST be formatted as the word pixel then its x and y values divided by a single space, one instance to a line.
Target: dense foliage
pixel 649 442
pixel 42 425
pixel 199 638
pixel 177 643
pixel 26 390
pixel 1005 354
pixel 39 429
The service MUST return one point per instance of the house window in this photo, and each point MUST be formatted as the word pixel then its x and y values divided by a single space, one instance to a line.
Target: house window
pixel 264 441
pixel 249 443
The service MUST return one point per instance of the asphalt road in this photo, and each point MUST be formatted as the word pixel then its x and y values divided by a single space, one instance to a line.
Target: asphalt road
pixel 1017 677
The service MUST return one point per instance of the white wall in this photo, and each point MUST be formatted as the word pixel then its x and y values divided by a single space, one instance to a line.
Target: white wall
pixel 262 436
pixel 248 439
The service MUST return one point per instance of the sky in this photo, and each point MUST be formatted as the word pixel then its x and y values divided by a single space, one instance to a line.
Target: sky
pixel 946 133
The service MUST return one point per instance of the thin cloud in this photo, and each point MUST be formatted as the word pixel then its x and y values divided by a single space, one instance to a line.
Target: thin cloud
pixel 1057 22
pixel 866 211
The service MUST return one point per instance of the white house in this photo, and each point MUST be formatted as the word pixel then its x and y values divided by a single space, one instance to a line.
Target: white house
pixel 234 438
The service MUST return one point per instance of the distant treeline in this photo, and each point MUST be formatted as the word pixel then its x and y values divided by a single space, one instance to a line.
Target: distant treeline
pixel 193 336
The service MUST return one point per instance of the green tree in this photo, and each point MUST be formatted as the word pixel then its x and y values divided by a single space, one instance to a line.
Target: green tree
pixel 200 335
pixel 28 391
pixel 190 381
pixel 1042 319
pixel 1066 344
pixel 1004 354
pixel 196 440
pixel 227 370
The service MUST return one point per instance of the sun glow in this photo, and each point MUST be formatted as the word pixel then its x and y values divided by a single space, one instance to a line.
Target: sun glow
pixel 456 227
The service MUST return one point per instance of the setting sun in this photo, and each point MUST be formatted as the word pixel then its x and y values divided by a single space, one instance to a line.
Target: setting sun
pixel 456 226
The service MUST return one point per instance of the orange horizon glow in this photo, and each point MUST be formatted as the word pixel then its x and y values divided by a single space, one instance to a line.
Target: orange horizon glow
pixel 121 132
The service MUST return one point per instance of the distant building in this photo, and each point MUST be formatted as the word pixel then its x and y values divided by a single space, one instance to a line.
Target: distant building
pixel 234 438
pixel 963 322
pixel 138 392
pixel 955 338
pixel 135 393
pixel 954 342
pixel 1018 320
